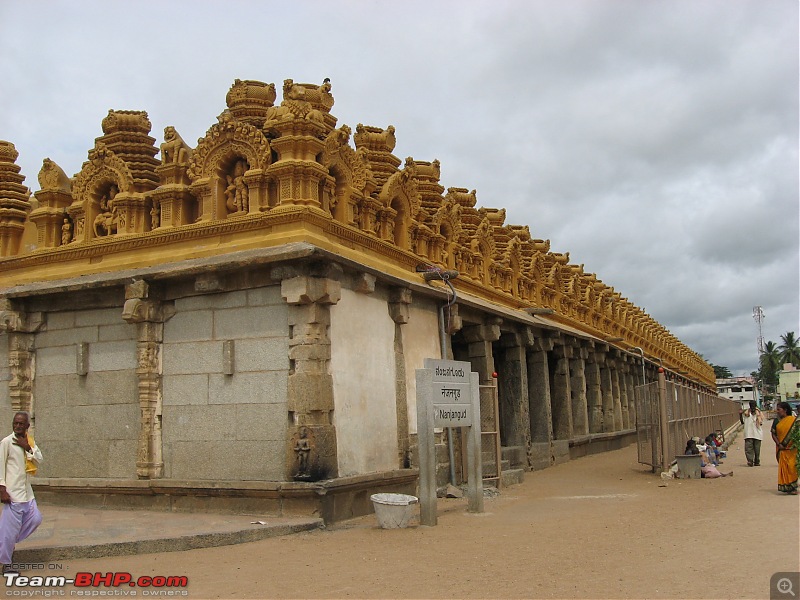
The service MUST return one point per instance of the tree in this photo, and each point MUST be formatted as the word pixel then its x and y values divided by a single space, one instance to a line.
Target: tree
pixel 790 349
pixel 721 372
pixel 770 364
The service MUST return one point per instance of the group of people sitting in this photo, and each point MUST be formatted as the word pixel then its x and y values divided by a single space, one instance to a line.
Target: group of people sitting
pixel 710 455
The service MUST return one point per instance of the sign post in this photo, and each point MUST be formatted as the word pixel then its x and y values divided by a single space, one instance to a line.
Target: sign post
pixel 448 395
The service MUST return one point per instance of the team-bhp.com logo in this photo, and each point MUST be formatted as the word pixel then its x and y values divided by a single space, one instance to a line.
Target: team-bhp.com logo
pixel 89 584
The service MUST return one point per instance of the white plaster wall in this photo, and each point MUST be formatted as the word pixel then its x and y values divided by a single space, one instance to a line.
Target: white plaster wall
pixel 363 371
pixel 420 341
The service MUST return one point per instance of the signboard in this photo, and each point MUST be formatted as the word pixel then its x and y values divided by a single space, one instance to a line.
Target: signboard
pixel 452 393
pixel 447 396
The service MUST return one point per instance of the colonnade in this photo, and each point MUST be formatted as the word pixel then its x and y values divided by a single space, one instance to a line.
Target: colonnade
pixel 556 390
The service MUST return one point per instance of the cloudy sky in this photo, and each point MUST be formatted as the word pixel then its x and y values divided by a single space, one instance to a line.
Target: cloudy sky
pixel 655 141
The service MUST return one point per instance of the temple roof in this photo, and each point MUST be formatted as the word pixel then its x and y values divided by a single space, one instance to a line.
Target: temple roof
pixel 265 175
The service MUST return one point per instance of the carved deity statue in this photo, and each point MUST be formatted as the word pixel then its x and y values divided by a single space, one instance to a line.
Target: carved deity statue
pixel 241 189
pixel 106 222
pixel 236 195
pixel 155 217
pixel 230 194
pixel 66 232
pixel 302 448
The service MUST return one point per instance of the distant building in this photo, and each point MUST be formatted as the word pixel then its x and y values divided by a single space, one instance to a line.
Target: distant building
pixel 789 382
pixel 741 389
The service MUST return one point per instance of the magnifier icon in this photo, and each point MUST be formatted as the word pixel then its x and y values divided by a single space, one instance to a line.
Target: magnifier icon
pixel 784 586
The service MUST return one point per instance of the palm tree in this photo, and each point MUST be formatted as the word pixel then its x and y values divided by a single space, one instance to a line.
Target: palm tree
pixel 790 349
pixel 770 364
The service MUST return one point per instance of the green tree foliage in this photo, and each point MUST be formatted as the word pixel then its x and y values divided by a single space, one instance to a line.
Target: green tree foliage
pixel 790 349
pixel 721 372
pixel 770 365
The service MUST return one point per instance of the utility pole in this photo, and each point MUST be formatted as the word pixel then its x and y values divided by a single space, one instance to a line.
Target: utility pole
pixel 758 315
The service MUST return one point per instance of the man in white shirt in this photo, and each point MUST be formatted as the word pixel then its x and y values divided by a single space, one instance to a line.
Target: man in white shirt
pixel 752 420
pixel 21 517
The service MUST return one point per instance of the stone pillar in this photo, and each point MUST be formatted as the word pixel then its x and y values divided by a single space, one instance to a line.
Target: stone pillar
pixel 479 353
pixel 311 440
pixel 607 392
pixel 630 381
pixel 21 328
pixel 148 313
pixel 624 368
pixel 616 393
pixel 480 338
pixel 513 383
pixel 541 422
pixel 560 394
pixel 577 385
pixel 594 395
pixel 399 303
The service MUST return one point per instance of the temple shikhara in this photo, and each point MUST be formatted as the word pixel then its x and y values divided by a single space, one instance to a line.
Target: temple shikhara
pixel 237 323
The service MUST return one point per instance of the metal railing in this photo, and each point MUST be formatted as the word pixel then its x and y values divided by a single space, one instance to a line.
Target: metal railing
pixel 687 412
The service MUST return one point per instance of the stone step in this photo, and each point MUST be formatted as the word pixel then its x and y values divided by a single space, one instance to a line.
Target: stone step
pixel 516 455
pixel 512 477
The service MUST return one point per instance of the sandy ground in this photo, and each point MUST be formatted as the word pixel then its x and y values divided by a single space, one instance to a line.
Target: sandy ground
pixel 598 527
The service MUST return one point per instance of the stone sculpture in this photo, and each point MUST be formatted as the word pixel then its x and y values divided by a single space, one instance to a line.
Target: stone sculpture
pixel 174 149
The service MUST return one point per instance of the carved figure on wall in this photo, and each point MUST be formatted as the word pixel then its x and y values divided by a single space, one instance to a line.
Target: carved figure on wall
pixel 174 149
pixel 106 222
pixel 147 359
pixel 302 449
pixel 52 177
pixel 375 138
pixel 320 94
pixel 337 139
pixel 241 189
pixel 66 232
pixel 230 194
pixel 155 217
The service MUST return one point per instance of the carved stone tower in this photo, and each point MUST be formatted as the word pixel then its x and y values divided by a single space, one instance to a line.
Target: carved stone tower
pixel 14 201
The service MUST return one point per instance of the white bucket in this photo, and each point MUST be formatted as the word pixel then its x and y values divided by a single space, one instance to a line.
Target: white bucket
pixel 393 510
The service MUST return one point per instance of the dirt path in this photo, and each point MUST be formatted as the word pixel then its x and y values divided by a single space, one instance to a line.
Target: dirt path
pixel 597 527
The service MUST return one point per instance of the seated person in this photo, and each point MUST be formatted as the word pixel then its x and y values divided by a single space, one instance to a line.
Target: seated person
pixel 707 470
pixel 713 449
pixel 718 444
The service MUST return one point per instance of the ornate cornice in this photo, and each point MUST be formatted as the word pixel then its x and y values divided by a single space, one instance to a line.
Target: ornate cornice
pixel 311 185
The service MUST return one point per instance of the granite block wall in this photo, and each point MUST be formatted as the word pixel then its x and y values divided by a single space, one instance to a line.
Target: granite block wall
pixel 87 425
pixel 219 426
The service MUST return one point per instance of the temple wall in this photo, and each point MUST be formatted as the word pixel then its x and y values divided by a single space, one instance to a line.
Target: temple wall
pixel 171 327
pixel 218 426
pixel 420 341
pixel 5 400
pixel 88 424
pixel 363 370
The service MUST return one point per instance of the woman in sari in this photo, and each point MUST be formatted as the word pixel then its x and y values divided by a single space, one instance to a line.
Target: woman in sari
pixel 782 429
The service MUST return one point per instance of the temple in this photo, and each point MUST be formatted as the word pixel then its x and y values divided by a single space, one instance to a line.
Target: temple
pixel 237 324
